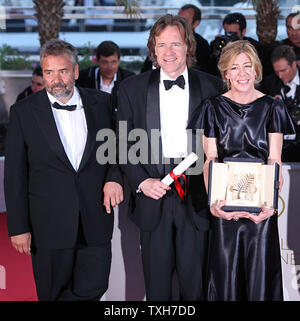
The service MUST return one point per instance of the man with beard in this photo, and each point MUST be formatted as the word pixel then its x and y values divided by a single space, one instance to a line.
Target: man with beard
pixel 54 188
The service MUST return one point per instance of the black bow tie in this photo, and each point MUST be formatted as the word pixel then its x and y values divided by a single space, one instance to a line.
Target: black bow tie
pixel 286 89
pixel 66 107
pixel 180 82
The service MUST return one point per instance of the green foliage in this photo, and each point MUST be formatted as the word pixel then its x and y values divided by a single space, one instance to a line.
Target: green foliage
pixel 11 59
pixel 85 57
pixel 131 7
pixel 135 65
pixel 85 62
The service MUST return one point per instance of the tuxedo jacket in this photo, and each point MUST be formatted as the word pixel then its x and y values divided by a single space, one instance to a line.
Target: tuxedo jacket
pixel 203 53
pixel 44 194
pixel 26 92
pixel 272 85
pixel 295 48
pixel 138 104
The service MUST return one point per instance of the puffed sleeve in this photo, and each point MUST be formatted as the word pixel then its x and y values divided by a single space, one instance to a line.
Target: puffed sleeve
pixel 280 120
pixel 204 118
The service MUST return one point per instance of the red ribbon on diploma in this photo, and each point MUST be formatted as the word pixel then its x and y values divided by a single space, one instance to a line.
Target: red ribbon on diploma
pixel 178 187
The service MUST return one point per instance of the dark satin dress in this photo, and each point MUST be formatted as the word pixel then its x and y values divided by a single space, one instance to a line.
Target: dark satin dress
pixel 244 257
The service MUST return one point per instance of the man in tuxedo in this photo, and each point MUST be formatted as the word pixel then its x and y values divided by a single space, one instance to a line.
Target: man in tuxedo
pixel 58 196
pixel 108 74
pixel 285 84
pixel 173 227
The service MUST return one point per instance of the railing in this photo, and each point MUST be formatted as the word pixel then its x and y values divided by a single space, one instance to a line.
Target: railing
pixel 117 12
pixel 112 22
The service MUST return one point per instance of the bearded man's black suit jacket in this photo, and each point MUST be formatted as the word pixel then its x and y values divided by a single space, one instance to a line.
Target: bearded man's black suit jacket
pixel 44 194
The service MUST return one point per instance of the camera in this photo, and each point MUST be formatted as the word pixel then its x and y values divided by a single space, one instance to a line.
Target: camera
pixel 220 42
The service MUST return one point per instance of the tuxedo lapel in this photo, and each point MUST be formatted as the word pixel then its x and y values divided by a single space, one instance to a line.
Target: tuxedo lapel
pixel 195 97
pixel 153 117
pixel 46 121
pixel 195 92
pixel 47 124
pixel 90 116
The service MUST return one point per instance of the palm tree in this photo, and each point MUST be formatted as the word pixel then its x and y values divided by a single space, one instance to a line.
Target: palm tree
pixel 131 7
pixel 267 12
pixel 49 15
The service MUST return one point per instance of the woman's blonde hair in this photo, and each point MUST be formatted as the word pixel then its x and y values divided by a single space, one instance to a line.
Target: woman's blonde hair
pixel 231 51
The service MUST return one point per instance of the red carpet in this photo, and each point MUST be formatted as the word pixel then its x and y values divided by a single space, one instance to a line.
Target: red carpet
pixel 16 276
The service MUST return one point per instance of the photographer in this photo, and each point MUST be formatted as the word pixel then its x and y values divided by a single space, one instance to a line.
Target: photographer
pixel 285 84
pixel 234 25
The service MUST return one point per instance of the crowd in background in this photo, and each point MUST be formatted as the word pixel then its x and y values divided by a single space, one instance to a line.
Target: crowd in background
pixel 280 69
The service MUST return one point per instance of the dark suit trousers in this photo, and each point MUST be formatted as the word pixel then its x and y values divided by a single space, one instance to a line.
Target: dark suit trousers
pixel 77 274
pixel 174 246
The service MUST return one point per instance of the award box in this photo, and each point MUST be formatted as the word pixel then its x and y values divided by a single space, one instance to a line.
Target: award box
pixel 245 183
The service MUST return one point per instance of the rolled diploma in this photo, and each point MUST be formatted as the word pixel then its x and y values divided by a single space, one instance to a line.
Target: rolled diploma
pixel 180 168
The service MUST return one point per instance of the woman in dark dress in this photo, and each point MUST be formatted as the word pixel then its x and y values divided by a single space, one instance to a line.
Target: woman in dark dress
pixel 244 254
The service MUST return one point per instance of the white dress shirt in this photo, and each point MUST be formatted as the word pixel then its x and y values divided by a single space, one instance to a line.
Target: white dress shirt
pixel 174 112
pixel 71 126
pixel 101 85
pixel 107 88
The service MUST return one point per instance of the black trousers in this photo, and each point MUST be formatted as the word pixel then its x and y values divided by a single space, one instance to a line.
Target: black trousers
pixel 174 246
pixel 77 274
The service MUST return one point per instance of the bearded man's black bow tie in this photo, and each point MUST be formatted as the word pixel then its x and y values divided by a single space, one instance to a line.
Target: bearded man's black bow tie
pixel 66 107
pixel 180 82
